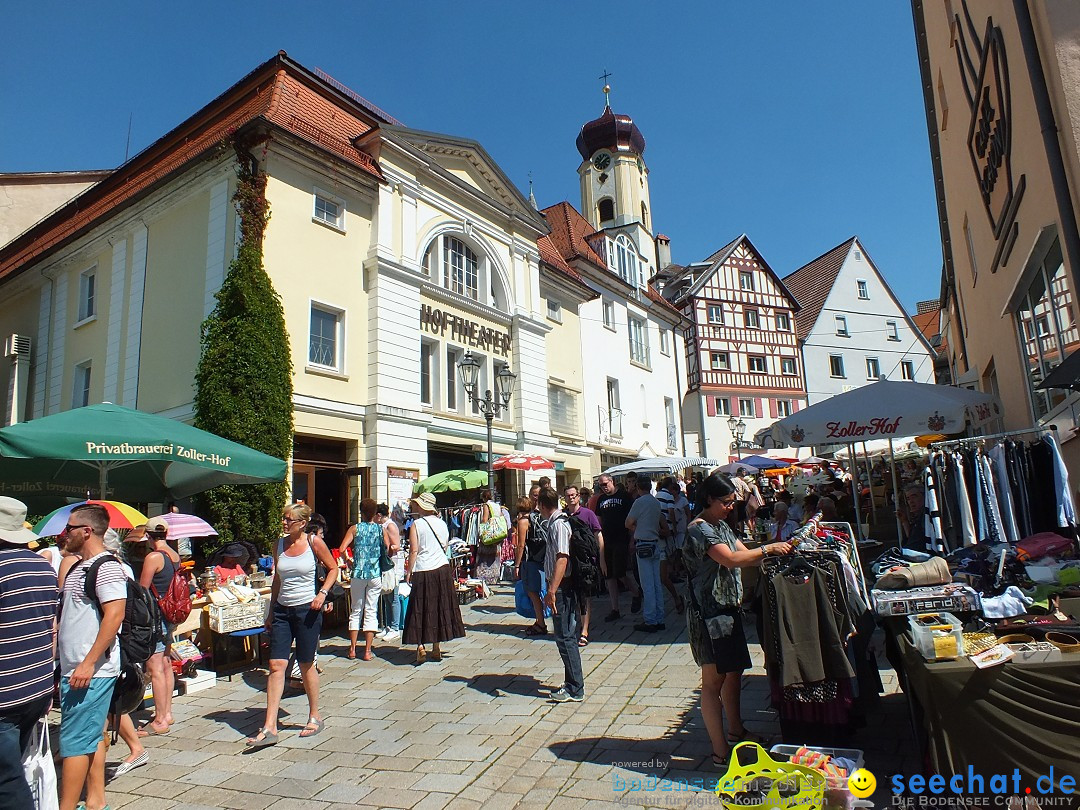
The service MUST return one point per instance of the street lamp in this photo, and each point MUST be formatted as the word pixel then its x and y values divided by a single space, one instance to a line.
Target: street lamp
pixel 490 406
pixel 738 430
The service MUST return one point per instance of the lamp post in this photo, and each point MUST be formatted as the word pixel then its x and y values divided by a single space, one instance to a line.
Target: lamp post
pixel 490 406
pixel 738 430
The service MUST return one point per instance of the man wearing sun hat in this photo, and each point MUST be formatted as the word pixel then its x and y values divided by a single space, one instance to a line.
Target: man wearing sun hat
pixel 27 614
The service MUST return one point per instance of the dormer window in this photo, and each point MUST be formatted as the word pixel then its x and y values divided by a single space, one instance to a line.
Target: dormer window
pixel 623 258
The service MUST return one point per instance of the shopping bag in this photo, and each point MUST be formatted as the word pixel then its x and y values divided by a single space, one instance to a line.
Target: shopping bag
pixel 39 770
pixel 522 603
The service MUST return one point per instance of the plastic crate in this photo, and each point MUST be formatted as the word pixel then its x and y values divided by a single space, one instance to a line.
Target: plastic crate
pixel 465 596
pixel 938 636
pixel 242 616
pixel 783 786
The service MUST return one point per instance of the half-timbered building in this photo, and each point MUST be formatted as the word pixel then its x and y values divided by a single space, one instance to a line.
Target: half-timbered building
pixel 742 355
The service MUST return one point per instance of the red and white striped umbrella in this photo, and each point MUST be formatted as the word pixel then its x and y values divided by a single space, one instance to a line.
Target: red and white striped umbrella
pixel 181 525
pixel 518 461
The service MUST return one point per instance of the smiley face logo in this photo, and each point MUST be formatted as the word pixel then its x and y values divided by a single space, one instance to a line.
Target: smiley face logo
pixel 862 783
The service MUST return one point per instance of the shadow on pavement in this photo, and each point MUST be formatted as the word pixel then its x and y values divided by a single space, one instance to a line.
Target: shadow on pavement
pixel 523 685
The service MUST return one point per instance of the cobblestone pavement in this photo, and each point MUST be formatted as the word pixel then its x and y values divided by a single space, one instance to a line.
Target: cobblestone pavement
pixel 472 731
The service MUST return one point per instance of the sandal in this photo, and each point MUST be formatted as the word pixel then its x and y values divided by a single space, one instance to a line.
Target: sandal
pixel 536 630
pixel 267 738
pixel 721 763
pixel 583 640
pixel 310 732
pixel 744 736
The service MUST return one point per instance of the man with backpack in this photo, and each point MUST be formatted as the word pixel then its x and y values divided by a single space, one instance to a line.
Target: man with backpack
pixel 160 568
pixel 89 652
pixel 561 596
pixel 590 524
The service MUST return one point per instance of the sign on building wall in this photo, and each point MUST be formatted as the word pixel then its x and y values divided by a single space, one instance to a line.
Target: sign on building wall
pixel 399 487
pixel 464 331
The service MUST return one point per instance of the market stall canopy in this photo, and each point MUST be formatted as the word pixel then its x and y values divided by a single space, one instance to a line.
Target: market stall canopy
pixel 876 447
pixel 884 410
pixel 518 461
pixel 662 464
pixel 452 481
pixel 763 463
pixel 112 449
pixel 737 468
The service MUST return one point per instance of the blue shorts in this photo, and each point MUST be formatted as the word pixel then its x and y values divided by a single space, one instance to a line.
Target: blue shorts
pixel 300 624
pixel 532 574
pixel 167 631
pixel 82 716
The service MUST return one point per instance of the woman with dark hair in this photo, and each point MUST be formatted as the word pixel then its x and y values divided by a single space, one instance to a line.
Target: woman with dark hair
pixel 713 557
pixel 364 542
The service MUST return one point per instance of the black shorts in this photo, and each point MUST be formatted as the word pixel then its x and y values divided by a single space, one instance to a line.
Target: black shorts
pixel 616 555
pixel 300 624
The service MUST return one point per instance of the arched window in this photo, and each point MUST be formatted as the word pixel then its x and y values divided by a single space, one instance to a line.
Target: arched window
pixel 626 260
pixel 605 210
pixel 451 262
pixel 645 216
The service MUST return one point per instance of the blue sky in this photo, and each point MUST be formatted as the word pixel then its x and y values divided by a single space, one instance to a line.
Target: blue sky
pixel 800 124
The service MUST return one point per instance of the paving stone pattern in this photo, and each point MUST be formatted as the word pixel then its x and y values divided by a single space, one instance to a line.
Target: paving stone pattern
pixel 475 730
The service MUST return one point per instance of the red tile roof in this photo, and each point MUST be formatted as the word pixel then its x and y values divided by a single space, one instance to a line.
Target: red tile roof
pixel 549 255
pixel 280 92
pixel 811 283
pixel 929 323
pixel 570 233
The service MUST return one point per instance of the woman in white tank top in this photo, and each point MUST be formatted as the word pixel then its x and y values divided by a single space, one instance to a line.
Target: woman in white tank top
pixel 296 606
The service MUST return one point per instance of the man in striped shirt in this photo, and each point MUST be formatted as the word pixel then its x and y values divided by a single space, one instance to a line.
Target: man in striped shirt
pixel 27 614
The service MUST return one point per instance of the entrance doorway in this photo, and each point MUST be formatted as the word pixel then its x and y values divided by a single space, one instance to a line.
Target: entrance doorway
pixel 324 481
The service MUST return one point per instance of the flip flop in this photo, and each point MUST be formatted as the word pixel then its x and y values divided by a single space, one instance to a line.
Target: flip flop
pixel 533 630
pixel 583 640
pixel 312 722
pixel 254 743
pixel 745 736
pixel 129 765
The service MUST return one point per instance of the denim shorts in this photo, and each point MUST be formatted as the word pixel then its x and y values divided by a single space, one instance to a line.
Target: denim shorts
pixel 532 574
pixel 167 630
pixel 300 624
pixel 82 716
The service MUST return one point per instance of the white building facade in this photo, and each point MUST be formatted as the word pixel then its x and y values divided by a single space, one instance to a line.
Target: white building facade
pixel 852 330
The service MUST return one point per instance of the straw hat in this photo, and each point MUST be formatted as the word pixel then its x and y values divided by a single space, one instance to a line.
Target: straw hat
pixel 425 501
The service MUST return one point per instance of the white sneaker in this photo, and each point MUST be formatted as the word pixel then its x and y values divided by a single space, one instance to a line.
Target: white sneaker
pixel 391 634
pixel 382 633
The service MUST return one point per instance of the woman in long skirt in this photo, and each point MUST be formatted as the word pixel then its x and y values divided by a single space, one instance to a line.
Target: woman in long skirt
pixel 434 615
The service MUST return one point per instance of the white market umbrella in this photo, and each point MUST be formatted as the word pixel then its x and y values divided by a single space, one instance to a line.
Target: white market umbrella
pixel 886 410
pixel 660 465
pixel 737 468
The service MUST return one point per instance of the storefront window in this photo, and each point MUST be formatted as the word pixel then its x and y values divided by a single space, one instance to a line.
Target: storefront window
pixel 1046 328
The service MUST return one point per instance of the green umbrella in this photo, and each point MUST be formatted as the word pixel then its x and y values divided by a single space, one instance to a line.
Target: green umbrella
pixel 138 456
pixel 452 481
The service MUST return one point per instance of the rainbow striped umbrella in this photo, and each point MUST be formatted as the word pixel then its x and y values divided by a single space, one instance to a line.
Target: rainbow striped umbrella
pixel 121 516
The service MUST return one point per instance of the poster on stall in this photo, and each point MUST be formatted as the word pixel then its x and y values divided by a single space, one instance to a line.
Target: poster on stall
pixel 399 487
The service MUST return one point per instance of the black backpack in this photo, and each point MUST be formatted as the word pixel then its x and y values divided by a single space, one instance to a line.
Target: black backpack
pixel 585 577
pixel 141 630
pixel 535 540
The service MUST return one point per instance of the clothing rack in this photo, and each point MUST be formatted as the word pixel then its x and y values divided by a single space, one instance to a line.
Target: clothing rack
pixel 989 436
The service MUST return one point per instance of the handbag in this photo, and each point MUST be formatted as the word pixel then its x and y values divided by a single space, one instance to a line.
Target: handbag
pixel 934 571
pixel 38 769
pixel 494 530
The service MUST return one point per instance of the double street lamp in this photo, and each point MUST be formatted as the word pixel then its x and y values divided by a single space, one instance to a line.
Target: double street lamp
pixel 490 406
pixel 738 430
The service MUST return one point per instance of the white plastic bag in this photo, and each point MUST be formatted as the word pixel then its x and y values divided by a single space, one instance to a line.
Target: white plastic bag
pixel 39 770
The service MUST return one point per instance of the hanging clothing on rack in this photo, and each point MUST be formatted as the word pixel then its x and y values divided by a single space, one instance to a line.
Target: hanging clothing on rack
pixel 1066 509
pixel 967 519
pixel 992 529
pixel 934 533
pixel 1004 492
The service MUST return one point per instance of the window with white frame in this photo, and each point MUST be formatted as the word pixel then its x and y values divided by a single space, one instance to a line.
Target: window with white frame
pixel 665 342
pixel 324 339
pixel 639 340
pixel 87 293
pixel 756 364
pixel 428 350
pixel 715 314
pixel 836 365
pixel 788 366
pixel 873 368
pixel 891 330
pixel 750 319
pixel 907 370
pixel 562 410
pixel 449 261
pixel 783 322
pixel 841 326
pixel 783 408
pixel 746 281
pixel 864 292
pixel 671 429
pixel 329 210
pixel 554 310
pixel 80 385
pixel 746 407
pixel 626 260
pixel 718 361
pixel 609 314
pixel 722 405
pixel 453 357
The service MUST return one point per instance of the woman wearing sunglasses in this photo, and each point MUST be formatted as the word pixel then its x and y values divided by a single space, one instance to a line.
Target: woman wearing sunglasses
pixel 296 609
pixel 713 557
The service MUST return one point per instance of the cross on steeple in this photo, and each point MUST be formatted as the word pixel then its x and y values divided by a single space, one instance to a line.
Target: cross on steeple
pixel 607 87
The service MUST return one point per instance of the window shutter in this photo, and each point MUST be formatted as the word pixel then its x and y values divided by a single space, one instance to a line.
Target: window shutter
pixel 794 405
pixel 772 408
pixel 733 406
pixel 710 406
pixel 760 412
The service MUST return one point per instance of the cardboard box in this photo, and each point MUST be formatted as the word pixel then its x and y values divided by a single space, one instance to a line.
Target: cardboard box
pixel 1034 653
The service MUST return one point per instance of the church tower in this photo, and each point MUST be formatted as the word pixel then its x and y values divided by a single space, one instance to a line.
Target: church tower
pixel 615 184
